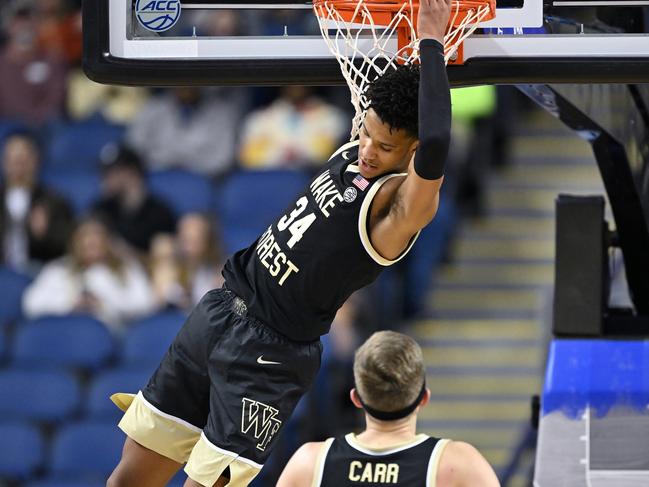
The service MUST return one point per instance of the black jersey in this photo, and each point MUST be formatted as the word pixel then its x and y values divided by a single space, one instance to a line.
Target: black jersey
pixel 344 462
pixel 297 274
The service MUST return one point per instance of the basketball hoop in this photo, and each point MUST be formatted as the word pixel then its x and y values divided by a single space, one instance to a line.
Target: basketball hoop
pixel 361 35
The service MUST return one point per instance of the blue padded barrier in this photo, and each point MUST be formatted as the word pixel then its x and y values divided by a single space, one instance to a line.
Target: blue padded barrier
pixel 596 373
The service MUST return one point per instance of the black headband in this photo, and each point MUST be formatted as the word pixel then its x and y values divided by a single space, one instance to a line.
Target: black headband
pixel 392 415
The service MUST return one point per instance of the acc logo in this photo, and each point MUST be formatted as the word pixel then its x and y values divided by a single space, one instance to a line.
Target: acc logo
pixel 260 421
pixel 157 15
pixel 350 194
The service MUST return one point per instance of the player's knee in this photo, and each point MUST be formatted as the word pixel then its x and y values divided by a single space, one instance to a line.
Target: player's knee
pixel 120 478
pixel 113 480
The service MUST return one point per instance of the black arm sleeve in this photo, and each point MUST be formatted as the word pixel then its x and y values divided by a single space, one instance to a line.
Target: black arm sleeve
pixel 434 112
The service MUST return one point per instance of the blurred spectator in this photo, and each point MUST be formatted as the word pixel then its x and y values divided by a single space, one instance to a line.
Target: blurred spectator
pixel 96 277
pixel 344 338
pixel 60 29
pixel 185 268
pixel 35 223
pixel 276 22
pixel 474 118
pixel 218 23
pixel 126 204
pixel 116 104
pixel 298 129
pixel 330 397
pixel 189 128
pixel 32 82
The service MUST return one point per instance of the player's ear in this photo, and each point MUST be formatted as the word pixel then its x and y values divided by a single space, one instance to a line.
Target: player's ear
pixel 353 395
pixel 425 399
pixel 413 146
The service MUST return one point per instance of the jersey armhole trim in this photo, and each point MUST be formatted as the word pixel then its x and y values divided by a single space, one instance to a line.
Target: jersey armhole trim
pixel 433 463
pixel 362 225
pixel 320 462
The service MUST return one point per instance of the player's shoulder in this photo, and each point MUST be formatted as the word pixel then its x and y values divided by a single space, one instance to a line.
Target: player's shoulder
pixel 310 450
pixel 460 451
pixel 300 469
pixel 462 464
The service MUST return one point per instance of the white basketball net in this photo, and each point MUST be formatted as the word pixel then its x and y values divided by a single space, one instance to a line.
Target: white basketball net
pixel 366 50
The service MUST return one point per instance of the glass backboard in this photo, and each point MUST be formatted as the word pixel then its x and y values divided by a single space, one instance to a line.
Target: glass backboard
pixel 205 42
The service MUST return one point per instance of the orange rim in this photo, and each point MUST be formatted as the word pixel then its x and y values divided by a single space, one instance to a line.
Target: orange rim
pixel 347 9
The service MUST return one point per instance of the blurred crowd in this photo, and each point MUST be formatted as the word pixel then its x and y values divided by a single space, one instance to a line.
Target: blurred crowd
pixel 128 253
pixel 124 252
pixel 85 220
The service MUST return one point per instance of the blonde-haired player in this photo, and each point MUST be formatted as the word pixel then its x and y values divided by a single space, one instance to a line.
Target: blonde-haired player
pixel 390 386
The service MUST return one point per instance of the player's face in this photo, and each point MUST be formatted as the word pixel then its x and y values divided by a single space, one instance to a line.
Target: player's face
pixel 383 149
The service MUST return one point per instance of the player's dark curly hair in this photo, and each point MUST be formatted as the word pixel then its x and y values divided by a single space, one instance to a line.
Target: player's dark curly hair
pixel 394 97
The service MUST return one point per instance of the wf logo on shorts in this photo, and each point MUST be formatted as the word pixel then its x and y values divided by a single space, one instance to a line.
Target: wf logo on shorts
pixel 261 419
pixel 157 15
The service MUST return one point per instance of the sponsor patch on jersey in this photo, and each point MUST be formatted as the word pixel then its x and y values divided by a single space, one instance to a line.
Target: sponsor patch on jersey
pixel 350 194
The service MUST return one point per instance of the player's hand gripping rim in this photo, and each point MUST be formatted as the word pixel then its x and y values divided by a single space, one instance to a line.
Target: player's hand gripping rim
pixel 432 19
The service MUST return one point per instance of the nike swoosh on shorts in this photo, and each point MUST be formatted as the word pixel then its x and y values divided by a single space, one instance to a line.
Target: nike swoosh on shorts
pixel 260 360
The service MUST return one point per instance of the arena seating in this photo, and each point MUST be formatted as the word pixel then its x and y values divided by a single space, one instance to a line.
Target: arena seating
pixel 98 406
pixel 71 341
pixel 60 371
pixel 268 193
pixel 43 396
pixel 80 188
pixel 12 284
pixel 7 127
pixel 146 341
pixel 85 449
pixel 77 146
pixel 183 191
pixel 67 483
pixel 22 450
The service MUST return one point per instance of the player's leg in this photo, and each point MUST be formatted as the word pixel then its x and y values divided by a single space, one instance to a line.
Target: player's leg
pixel 222 482
pixel 141 467
pixel 250 399
pixel 164 421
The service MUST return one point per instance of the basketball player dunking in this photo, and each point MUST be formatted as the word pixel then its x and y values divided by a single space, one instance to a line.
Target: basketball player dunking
pixel 249 351
pixel 390 381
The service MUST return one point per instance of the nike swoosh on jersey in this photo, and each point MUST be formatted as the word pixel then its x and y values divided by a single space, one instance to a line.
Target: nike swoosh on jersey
pixel 260 360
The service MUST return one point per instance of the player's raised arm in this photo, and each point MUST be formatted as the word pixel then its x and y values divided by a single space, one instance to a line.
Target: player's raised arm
pixel 415 201
pixel 434 96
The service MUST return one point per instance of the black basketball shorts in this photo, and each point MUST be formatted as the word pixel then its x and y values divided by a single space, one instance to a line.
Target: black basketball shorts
pixel 222 393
